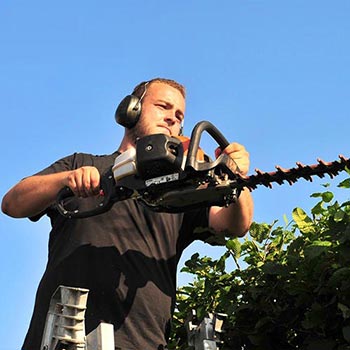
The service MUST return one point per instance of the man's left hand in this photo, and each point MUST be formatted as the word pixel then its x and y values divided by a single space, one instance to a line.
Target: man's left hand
pixel 239 154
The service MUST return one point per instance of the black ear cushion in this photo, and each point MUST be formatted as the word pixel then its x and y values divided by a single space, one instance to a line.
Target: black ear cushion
pixel 128 112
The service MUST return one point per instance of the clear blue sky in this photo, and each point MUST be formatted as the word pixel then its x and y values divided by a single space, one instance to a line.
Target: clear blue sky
pixel 272 75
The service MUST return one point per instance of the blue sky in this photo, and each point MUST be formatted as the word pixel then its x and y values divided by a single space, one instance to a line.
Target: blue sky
pixel 272 75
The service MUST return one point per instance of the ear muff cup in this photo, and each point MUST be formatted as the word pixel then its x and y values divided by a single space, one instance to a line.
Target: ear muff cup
pixel 128 112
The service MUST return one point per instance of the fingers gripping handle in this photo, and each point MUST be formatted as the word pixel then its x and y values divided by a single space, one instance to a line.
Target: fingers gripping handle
pixel 192 162
pixel 66 194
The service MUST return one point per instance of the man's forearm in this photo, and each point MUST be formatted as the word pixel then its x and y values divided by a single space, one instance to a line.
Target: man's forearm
pixel 32 195
pixel 236 218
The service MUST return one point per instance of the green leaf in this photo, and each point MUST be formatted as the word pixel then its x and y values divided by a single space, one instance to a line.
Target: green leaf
pixel 256 339
pixel 339 215
pixel 340 275
pixel 345 310
pixel 262 323
pixel 272 268
pixel 195 256
pixel 345 183
pixel 346 235
pixel 316 249
pixel 216 239
pixel 259 231
pixel 304 222
pixel 312 252
pixel 221 263
pixel 321 243
pixel 315 317
pixel 235 246
pixel 250 247
pixel 318 209
pixel 327 196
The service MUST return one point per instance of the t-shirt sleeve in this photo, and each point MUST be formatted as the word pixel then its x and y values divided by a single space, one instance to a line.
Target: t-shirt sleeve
pixel 195 226
pixel 63 164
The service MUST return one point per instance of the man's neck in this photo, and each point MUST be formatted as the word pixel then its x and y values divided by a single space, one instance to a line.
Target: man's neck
pixel 127 142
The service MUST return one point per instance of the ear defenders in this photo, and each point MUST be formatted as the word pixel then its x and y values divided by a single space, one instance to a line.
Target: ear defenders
pixel 129 110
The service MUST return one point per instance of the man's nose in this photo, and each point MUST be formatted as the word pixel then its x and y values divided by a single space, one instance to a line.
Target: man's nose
pixel 170 118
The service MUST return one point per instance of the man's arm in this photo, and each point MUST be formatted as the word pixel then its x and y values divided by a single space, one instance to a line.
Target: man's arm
pixel 237 217
pixel 34 194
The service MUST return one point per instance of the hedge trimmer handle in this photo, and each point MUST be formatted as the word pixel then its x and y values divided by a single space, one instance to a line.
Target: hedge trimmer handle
pixel 106 196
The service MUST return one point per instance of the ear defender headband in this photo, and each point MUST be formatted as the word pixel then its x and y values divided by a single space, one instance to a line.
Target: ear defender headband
pixel 129 110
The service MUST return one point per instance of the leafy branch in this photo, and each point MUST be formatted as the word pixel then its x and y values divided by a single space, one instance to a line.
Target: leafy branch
pixel 291 287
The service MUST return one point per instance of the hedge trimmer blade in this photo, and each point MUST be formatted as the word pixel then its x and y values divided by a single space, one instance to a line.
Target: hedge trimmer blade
pixel 292 175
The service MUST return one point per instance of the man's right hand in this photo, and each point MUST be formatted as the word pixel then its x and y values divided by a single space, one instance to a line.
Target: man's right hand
pixel 84 181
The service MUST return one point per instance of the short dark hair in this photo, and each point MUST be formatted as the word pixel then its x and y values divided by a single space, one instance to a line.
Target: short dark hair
pixel 139 89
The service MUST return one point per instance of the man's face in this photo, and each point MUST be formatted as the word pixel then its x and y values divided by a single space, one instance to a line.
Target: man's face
pixel 163 109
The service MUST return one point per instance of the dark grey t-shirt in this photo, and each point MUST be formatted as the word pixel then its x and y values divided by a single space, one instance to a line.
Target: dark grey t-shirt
pixel 127 258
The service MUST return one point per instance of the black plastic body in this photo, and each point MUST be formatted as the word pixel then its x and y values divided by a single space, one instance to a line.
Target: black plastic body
pixel 157 155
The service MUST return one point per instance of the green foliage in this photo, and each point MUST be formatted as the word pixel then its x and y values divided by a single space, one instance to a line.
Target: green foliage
pixel 294 289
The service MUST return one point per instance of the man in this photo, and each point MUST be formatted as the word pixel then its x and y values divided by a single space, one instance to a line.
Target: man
pixel 127 257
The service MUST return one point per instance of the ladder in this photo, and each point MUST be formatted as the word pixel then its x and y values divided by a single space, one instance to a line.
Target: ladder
pixel 205 334
pixel 65 326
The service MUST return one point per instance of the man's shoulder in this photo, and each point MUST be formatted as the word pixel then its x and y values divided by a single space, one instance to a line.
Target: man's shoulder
pixel 99 160
pixel 92 155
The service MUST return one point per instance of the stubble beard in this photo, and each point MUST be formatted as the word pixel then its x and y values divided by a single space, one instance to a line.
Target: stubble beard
pixel 137 132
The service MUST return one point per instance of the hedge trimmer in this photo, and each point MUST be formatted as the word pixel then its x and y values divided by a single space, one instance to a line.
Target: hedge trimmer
pixel 172 174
